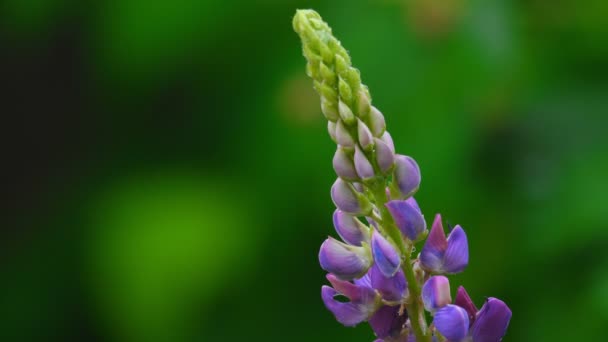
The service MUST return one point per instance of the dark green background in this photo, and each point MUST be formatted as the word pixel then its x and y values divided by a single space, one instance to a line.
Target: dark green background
pixel 167 166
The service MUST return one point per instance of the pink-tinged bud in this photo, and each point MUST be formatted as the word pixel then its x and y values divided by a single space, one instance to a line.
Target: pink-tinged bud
pixel 445 255
pixel 346 114
pixel 436 293
pixel 407 218
pixel 406 175
pixel 350 229
pixel 363 301
pixel 344 261
pixel 343 135
pixel 384 156
pixel 343 165
pixel 388 139
pixel 364 168
pixel 491 322
pixel 376 122
pixel 331 129
pixel 347 199
pixel 385 255
pixel 366 139
pixel 329 109
pixel 452 322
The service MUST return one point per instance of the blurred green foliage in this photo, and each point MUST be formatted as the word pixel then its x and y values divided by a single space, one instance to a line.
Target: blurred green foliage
pixel 199 205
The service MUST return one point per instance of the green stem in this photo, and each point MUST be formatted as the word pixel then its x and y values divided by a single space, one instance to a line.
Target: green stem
pixel 415 314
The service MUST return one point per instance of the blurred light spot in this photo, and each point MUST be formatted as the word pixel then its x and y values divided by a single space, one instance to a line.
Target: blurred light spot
pixel 434 19
pixel 298 102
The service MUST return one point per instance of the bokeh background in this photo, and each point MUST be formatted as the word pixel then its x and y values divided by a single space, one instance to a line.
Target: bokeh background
pixel 166 167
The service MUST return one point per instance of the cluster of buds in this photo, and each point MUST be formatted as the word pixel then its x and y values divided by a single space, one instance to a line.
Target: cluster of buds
pixel 373 274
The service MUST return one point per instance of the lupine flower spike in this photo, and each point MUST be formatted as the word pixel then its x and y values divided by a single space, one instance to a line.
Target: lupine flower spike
pixel 373 266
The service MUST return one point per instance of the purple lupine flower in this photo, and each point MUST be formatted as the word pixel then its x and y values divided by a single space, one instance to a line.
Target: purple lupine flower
pixel 407 218
pixel 441 255
pixel 393 289
pixel 387 322
pixel 345 261
pixel 464 301
pixel 436 293
pixel 406 175
pixel 343 136
pixel 388 140
pixel 385 255
pixel 385 156
pixel 350 229
pixel 491 322
pixel 362 165
pixel 363 301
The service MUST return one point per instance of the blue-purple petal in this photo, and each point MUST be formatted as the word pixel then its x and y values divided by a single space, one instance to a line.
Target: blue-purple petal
pixel 407 175
pixel 452 321
pixel 349 314
pixel 385 256
pixel 491 322
pixel 345 261
pixel 350 229
pixel 387 322
pixel 456 256
pixel 436 293
pixel 407 218
pixel 391 288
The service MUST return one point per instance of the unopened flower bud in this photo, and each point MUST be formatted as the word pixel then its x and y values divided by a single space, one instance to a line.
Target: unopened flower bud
pixel 344 261
pixel 366 139
pixel 363 102
pixel 350 229
pixel 346 114
pixel 347 199
pixel 436 293
pixel 329 109
pixel 331 129
pixel 376 122
pixel 406 175
pixel 384 156
pixel 385 256
pixel 343 135
pixel 464 301
pixel 343 165
pixel 388 139
pixel 364 168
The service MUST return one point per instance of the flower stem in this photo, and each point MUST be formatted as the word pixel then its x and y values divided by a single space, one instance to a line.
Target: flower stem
pixel 415 314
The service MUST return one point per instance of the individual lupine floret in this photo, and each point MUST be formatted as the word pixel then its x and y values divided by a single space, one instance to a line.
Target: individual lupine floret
pixel 350 229
pixel 436 293
pixel 349 200
pixel 486 325
pixel 345 261
pixel 364 301
pixel 406 176
pixel 445 255
pixel 343 165
pixel 385 156
pixel 407 218
pixel 364 168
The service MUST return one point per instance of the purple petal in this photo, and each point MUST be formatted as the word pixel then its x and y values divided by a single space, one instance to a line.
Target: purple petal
pixel 343 165
pixel 387 322
pixel 456 256
pixel 366 139
pixel 431 256
pixel 407 218
pixel 491 322
pixel 385 256
pixel 349 314
pixel 391 288
pixel 412 201
pixel 436 293
pixel 345 261
pixel 464 301
pixel 365 280
pixel 348 200
pixel 350 229
pixel 384 156
pixel 356 293
pixel 364 168
pixel 452 322
pixel 407 175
